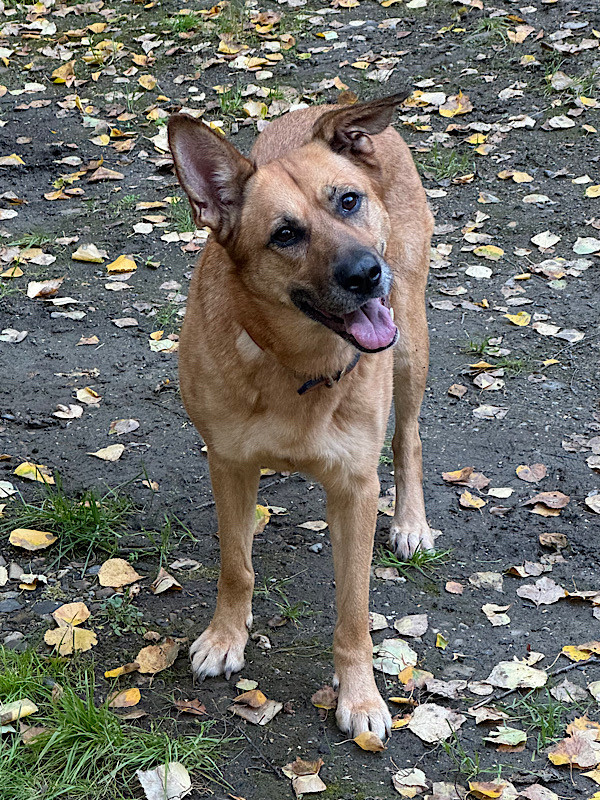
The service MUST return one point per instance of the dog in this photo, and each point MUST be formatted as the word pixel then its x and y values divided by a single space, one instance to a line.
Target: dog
pixel 305 309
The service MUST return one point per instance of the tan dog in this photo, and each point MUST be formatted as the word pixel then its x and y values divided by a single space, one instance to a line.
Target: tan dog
pixel 315 237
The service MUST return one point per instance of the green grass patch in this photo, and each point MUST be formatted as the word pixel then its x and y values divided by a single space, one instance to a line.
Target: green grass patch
pixel 86 751
pixel 424 562
pixel 541 713
pixel 442 163
pixel 90 522
pixel 182 23
pixel 181 216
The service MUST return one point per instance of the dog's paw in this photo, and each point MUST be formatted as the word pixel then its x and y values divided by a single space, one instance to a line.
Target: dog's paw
pixel 362 711
pixel 406 537
pixel 218 651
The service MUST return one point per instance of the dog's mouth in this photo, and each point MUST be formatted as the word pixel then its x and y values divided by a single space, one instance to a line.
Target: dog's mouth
pixel 369 328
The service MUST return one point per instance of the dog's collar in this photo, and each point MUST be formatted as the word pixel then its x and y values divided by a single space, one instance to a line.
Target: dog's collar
pixel 329 380
pixel 324 380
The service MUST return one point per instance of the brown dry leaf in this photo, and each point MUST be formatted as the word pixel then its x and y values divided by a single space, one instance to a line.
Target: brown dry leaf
pixel 487 789
pixel 325 697
pixel 29 732
pixel 550 499
pixel 68 639
pixel 412 625
pixel 88 396
pixel 156 657
pixel 414 678
pixel 488 580
pixel 85 340
pixel 121 426
pixel 409 782
pixel 453 690
pixel 433 723
pixel 111 453
pixel 43 288
pixel 304 776
pixel 533 473
pixel 568 692
pixel 31 540
pixel 105 174
pixel 454 587
pixel 194 707
pixel 257 716
pixel 543 592
pixel 487 714
pixel 468 500
pixel 558 540
pixel 367 740
pixel 116 572
pixel 457 390
pixel 538 792
pixel 164 581
pixel 124 670
pixel 71 614
pixel 125 698
pixel 457 104
pixel 580 750
pixel 496 614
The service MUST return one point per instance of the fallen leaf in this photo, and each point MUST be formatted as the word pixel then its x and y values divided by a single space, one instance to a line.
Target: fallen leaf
pixel 496 614
pixel 412 625
pixel 367 740
pixel 124 670
pixel 89 253
pixel 313 525
pixel 515 674
pixel 253 699
pixel 453 587
pixel 579 750
pixel 555 500
pixel 125 698
pixel 156 657
pixel 105 174
pixel 34 472
pixel 17 709
pixel 487 580
pixel 164 581
pixel 71 411
pixel 88 396
pixel 568 692
pixel 121 426
pixel 31 540
pixel 503 735
pixel 43 288
pixel 71 614
pixel 543 592
pixel 467 500
pixel 257 716
pixel 393 655
pixel 111 453
pixel 122 264
pixel 194 707
pixel 116 572
pixel 433 723
pixel 533 473
pixel 68 639
pixel 167 782
pixel 325 698
pixel 409 782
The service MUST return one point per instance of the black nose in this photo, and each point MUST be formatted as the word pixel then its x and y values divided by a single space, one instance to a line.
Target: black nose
pixel 359 272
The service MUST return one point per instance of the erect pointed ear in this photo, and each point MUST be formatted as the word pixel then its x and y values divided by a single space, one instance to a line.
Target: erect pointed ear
pixel 211 171
pixel 348 129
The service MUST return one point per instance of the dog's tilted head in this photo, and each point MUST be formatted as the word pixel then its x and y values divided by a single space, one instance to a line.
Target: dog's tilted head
pixel 308 229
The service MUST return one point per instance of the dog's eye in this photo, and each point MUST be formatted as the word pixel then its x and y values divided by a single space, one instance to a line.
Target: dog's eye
pixel 286 236
pixel 350 202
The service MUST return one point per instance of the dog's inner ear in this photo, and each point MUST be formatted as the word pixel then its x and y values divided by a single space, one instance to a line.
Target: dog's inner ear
pixel 348 129
pixel 211 171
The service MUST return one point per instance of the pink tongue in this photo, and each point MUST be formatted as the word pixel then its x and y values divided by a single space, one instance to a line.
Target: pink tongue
pixel 371 325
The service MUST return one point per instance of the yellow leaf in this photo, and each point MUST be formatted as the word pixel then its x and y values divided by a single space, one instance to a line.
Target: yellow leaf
pixel 147 81
pixel 12 160
pixel 467 500
pixel 64 73
pixel 68 639
pixel 489 251
pixel 400 723
pixel 156 657
pixel 361 65
pixel 71 614
pixel 521 319
pixel 11 712
pixel 156 336
pixel 34 472
pixel 231 48
pixel 367 740
pixel 12 272
pixel 550 362
pixel 262 515
pixel 116 572
pixel 484 790
pixel 30 539
pixel 593 191
pixel 476 138
pixel 441 642
pixel 88 396
pixel 124 670
pixel 458 104
pixel 122 264
pixel 88 253
pixel 576 653
pixel 125 699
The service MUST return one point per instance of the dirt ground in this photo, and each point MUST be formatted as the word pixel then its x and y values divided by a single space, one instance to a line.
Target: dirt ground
pixel 549 397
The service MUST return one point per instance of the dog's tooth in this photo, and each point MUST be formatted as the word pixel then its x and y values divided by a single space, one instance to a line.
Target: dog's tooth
pixel 392 313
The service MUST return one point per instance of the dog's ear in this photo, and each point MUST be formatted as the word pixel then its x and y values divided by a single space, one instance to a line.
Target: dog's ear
pixel 348 129
pixel 211 171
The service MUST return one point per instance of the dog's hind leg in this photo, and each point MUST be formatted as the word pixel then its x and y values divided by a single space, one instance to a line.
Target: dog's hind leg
pixel 352 515
pixel 409 530
pixel 220 649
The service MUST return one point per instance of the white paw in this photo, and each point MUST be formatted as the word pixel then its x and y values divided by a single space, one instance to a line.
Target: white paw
pixel 361 711
pixel 407 537
pixel 218 652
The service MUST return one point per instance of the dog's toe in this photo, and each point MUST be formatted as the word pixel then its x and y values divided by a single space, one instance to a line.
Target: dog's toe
pixel 358 716
pixel 218 652
pixel 406 538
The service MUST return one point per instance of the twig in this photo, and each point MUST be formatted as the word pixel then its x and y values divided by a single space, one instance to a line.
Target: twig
pixel 568 668
pixel 275 770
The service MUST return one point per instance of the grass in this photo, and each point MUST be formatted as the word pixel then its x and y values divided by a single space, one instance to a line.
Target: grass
pixel 231 101
pixel 86 750
pixel 465 765
pixel 542 713
pixel 125 203
pixel 34 239
pixel 181 23
pixel 167 318
pixel 8 288
pixel 181 216
pixel 441 163
pixel 425 562
pixel 122 616
pixel 91 522
pixel 491 28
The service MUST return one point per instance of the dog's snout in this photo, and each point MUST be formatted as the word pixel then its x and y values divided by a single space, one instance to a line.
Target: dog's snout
pixel 360 272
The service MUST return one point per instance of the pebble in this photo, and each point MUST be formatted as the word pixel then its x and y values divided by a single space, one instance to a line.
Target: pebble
pixel 316 548
pixel 7 606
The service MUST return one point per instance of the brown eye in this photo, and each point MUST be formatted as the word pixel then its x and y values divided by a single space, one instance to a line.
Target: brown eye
pixel 350 202
pixel 285 236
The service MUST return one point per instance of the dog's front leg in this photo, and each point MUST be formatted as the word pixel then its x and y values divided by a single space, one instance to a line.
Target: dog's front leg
pixel 220 649
pixel 352 515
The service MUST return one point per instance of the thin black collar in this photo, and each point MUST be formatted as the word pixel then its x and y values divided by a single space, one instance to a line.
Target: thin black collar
pixel 329 380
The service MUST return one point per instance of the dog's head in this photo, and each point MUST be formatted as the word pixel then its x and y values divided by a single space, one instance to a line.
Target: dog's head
pixel 308 229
